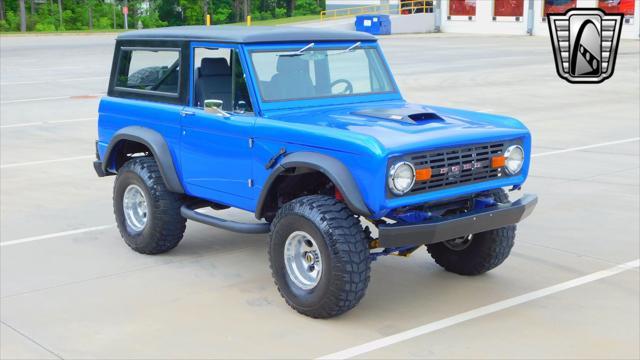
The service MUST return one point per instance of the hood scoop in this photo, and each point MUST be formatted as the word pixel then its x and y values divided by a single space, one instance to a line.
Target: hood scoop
pixel 406 115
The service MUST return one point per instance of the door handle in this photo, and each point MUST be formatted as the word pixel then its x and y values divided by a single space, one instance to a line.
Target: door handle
pixel 185 113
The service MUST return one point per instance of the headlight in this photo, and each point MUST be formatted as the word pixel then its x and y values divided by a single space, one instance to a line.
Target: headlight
pixel 514 158
pixel 402 175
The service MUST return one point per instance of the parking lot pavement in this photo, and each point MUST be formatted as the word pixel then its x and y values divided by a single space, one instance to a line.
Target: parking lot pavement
pixel 70 288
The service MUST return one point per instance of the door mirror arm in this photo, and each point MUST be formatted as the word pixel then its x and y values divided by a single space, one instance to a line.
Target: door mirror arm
pixel 214 107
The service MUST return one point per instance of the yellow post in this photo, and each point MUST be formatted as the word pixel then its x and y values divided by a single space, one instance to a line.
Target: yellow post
pixel 248 20
pixel 208 20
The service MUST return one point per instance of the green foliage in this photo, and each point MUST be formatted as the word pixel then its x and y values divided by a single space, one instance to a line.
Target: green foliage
pixel 280 13
pixel 168 12
pixel 103 23
pixel 152 20
pixel 11 22
pixel 222 15
pixel 192 12
pixel 45 27
pixel 151 13
pixel 306 7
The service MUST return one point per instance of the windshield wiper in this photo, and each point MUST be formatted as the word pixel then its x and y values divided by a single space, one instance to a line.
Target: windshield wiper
pixel 352 47
pixel 299 52
pixel 347 50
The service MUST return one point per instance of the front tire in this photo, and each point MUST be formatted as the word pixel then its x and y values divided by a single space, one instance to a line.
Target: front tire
pixel 478 253
pixel 319 256
pixel 147 213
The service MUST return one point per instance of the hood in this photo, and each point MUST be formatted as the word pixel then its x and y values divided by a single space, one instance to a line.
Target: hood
pixel 400 127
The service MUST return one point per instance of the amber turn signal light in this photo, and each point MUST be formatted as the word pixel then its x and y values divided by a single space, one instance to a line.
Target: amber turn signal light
pixel 423 174
pixel 497 161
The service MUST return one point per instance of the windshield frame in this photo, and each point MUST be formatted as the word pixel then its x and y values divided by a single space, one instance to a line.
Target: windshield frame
pixel 392 94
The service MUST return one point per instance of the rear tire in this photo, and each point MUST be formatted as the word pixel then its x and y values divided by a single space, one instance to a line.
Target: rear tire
pixel 335 243
pixel 147 213
pixel 477 253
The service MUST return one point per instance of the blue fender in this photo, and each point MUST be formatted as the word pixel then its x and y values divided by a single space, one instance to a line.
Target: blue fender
pixel 156 143
pixel 331 167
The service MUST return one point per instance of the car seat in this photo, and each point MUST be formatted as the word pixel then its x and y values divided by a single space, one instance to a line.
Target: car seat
pixel 292 79
pixel 214 82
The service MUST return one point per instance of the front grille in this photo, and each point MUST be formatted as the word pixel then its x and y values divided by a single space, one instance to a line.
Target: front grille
pixel 457 166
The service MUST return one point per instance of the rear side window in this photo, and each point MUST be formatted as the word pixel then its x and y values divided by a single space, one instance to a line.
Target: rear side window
pixel 153 71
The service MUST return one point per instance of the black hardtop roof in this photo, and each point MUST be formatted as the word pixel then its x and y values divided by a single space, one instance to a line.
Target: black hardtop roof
pixel 245 34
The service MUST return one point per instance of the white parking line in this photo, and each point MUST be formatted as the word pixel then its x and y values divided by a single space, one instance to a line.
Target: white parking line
pixel 482 311
pixel 34 99
pixel 102 227
pixel 46 122
pixel 52 80
pixel 586 147
pixel 50 98
pixel 45 161
pixel 55 235
pixel 21 67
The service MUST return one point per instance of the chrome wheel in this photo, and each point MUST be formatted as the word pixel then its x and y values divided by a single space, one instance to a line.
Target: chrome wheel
pixel 302 260
pixel 134 205
pixel 460 243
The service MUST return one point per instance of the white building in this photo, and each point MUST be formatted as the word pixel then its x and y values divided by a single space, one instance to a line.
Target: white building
pixel 532 18
pixel 517 17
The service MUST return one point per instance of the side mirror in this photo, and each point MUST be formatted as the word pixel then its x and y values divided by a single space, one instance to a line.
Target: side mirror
pixel 214 106
pixel 241 107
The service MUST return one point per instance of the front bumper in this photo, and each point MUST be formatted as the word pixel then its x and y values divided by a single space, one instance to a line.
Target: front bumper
pixel 472 222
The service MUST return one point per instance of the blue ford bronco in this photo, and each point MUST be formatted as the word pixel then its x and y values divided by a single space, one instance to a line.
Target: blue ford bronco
pixel 307 130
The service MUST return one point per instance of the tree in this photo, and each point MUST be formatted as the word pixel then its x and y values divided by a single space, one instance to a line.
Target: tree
pixel 60 15
pixel 23 17
pixel 168 12
pixel 41 15
pixel 291 7
pixel 90 13
pixel 205 9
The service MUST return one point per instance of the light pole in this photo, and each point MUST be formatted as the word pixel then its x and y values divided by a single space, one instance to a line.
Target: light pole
pixel 125 11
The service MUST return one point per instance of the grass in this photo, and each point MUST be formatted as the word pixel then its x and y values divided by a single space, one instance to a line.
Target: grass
pixel 64 32
pixel 272 22
pixel 284 21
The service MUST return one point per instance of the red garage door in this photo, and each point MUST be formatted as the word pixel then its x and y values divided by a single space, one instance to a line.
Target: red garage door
pixel 558 6
pixel 626 7
pixel 508 8
pixel 462 7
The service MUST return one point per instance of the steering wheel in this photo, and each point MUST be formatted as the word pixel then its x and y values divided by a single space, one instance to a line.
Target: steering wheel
pixel 348 89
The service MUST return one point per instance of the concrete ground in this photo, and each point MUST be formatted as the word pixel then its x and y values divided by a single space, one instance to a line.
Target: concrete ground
pixel 70 288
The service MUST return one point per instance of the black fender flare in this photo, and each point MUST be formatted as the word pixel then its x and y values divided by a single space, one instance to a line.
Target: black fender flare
pixel 329 166
pixel 158 147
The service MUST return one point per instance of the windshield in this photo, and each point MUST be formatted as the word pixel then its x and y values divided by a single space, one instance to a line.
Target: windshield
pixel 319 73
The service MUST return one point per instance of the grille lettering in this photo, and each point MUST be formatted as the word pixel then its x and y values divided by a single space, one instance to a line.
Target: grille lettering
pixel 457 166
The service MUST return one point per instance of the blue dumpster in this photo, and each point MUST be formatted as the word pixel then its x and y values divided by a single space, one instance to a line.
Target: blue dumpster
pixel 374 24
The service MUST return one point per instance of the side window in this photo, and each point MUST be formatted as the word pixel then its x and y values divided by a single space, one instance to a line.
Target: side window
pixel 149 70
pixel 219 77
pixel 242 100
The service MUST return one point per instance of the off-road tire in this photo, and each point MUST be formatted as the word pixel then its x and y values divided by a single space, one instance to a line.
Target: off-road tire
pixel 343 249
pixel 165 226
pixel 486 251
